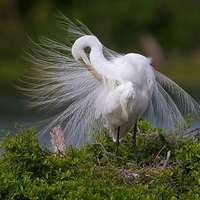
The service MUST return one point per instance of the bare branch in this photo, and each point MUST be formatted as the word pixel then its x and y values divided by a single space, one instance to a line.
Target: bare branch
pixel 158 155
pixel 196 129
pixel 104 150
pixel 58 142
pixel 167 159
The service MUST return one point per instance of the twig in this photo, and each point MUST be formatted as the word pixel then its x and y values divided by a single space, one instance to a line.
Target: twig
pixel 196 129
pixel 104 150
pixel 158 155
pixel 149 134
pixel 167 159
pixel 167 140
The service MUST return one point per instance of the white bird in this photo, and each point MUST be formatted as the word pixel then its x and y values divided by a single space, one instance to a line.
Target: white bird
pixel 127 85
pixel 88 86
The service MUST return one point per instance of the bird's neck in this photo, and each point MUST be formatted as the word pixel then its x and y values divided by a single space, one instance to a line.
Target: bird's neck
pixel 100 63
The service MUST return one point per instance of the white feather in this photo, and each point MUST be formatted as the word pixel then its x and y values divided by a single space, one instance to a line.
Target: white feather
pixel 59 82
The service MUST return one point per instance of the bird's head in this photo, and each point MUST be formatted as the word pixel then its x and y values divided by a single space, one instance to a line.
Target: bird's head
pixel 79 46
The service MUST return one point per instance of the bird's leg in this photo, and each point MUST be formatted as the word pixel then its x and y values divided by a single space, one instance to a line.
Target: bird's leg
pixel 134 144
pixel 117 141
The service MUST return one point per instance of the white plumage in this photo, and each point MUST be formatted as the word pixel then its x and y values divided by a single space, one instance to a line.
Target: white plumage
pixel 117 88
pixel 127 84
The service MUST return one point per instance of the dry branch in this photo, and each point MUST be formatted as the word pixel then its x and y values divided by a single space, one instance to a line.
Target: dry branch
pixel 58 141
pixel 167 159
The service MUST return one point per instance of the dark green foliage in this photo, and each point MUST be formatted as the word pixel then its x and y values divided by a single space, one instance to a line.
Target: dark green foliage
pixel 29 171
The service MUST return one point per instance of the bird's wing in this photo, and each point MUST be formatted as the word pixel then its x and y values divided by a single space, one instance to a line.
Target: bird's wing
pixel 170 104
pixel 119 104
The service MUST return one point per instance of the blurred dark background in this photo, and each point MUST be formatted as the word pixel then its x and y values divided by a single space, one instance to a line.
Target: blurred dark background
pixel 168 31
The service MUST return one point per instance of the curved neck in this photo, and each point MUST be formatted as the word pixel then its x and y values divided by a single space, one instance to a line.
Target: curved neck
pixel 96 57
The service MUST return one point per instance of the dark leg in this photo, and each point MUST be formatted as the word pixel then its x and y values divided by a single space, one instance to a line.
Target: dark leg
pixel 134 144
pixel 117 141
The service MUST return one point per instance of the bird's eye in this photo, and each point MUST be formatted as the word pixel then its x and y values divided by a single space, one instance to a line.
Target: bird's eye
pixel 87 50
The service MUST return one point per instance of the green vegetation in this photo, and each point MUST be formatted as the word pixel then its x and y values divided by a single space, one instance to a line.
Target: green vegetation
pixel 29 171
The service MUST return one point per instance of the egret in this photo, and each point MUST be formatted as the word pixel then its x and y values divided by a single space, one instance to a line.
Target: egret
pixel 90 85
pixel 127 85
